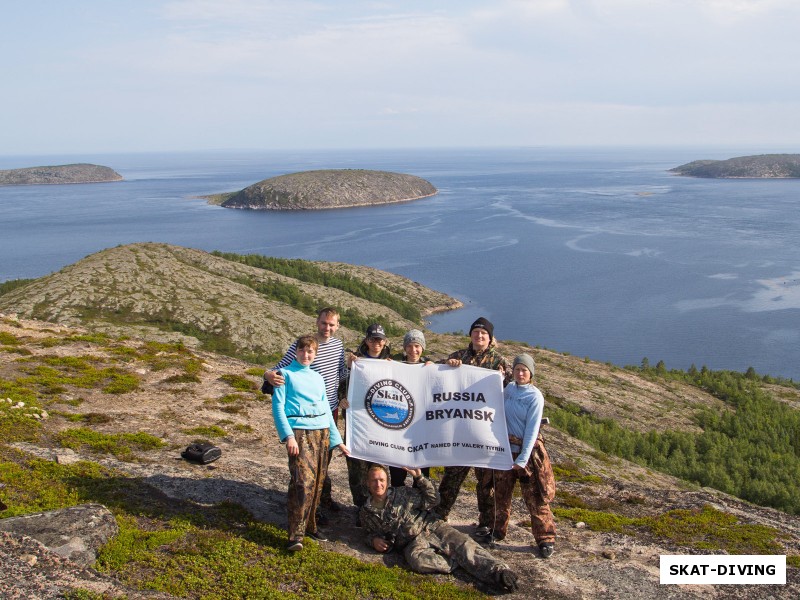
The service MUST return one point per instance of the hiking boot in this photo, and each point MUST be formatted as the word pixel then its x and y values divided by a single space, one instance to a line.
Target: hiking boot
pixel 333 506
pixel 507 579
pixel 487 535
pixel 547 549
pixel 317 536
pixel 294 546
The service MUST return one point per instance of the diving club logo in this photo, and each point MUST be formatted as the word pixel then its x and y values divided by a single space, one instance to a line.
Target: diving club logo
pixel 389 404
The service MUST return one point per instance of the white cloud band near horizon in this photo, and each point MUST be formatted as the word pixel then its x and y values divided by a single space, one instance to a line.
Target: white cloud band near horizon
pixel 91 76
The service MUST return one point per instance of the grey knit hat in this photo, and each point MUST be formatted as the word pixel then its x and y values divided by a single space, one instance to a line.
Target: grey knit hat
pixel 524 359
pixel 414 336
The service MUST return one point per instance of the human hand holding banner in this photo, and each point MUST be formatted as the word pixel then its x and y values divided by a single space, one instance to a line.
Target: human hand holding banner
pixel 426 415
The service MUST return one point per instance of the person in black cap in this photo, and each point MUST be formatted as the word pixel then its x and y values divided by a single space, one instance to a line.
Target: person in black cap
pixel 374 345
pixel 481 352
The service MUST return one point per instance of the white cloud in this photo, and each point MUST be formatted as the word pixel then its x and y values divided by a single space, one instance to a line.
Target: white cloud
pixel 507 72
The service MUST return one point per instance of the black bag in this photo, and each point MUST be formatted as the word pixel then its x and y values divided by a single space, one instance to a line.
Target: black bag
pixel 267 388
pixel 202 453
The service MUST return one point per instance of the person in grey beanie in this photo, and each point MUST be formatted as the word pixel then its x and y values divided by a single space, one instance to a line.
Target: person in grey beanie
pixel 523 404
pixel 413 347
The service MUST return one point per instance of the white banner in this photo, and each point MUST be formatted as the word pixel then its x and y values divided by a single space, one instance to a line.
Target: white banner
pixel 424 416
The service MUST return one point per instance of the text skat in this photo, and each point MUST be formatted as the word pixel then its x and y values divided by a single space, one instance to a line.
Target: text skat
pixel 459 397
pixel 460 413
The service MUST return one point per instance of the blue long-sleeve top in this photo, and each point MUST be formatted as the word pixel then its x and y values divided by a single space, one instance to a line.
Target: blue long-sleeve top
pixel 301 403
pixel 523 406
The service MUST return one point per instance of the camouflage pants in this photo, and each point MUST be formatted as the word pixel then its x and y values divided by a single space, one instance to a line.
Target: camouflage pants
pixel 307 472
pixel 327 486
pixel 441 548
pixel 357 478
pixel 451 484
pixel 498 489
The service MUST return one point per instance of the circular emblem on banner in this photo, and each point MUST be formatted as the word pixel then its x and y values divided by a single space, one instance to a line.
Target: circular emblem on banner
pixel 389 404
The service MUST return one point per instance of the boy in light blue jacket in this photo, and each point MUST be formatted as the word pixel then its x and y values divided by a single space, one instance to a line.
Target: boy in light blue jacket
pixel 305 424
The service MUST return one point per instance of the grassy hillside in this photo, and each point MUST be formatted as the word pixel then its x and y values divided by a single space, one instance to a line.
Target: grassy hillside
pixel 120 380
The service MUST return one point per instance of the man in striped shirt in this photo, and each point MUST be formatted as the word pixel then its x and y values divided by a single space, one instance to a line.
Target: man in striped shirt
pixel 329 363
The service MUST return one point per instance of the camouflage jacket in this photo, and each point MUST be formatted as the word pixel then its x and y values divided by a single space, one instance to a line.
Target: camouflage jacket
pixel 406 514
pixel 488 359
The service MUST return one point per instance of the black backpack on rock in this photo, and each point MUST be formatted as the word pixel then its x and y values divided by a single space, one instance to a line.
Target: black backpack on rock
pixel 202 453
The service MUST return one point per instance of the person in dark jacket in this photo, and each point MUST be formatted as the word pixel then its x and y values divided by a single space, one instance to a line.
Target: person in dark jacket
pixel 481 352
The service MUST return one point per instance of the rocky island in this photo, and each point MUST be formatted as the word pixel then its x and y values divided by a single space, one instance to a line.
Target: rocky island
pixel 328 188
pixel 762 166
pixel 75 173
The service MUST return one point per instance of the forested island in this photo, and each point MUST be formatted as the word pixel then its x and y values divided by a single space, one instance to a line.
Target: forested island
pixel 56 174
pixel 327 188
pixel 762 166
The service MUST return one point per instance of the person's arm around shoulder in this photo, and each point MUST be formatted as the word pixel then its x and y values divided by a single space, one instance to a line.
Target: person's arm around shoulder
pixel 273 375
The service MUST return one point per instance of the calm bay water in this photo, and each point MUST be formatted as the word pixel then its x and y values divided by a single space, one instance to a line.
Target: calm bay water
pixel 599 253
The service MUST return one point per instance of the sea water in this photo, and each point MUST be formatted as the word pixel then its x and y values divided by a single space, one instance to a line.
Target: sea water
pixel 599 253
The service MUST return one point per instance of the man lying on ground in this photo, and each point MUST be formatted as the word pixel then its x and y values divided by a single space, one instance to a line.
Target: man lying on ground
pixel 402 517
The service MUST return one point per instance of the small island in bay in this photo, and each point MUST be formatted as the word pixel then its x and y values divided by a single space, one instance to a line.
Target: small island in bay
pixel 762 166
pixel 328 188
pixel 76 173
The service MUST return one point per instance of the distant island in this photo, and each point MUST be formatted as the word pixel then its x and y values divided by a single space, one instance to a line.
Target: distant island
pixel 77 173
pixel 763 166
pixel 329 188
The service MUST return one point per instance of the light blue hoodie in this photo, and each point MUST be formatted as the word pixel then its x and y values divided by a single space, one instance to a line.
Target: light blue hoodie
pixel 301 403
pixel 523 405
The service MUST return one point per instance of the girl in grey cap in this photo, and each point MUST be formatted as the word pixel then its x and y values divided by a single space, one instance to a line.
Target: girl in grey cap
pixel 523 407
pixel 413 347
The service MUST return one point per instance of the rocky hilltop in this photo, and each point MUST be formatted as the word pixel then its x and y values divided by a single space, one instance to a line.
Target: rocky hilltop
pixel 332 188
pixel 768 166
pixel 96 412
pixel 77 173
pixel 175 293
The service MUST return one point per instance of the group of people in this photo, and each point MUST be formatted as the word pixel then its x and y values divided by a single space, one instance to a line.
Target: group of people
pixel 309 387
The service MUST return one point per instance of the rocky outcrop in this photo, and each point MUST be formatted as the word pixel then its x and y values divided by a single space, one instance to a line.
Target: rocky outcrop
pixel 332 188
pixel 764 166
pixel 174 293
pixel 75 533
pixel 76 173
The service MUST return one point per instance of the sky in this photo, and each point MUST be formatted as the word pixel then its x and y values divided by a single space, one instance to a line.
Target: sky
pixel 174 75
